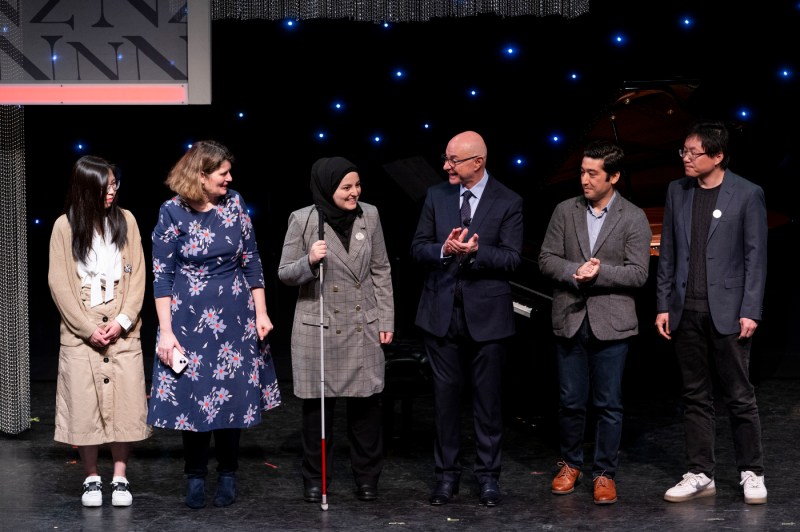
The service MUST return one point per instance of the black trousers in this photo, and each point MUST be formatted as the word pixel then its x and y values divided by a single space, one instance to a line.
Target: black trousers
pixel 364 434
pixel 458 362
pixel 196 450
pixel 704 353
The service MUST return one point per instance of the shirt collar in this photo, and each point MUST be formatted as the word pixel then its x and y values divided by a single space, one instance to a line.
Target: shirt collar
pixel 477 188
pixel 604 210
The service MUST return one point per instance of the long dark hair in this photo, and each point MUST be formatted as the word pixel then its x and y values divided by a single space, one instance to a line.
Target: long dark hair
pixel 85 206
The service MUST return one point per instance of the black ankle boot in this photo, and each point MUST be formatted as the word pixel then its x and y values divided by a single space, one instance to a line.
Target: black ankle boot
pixel 226 489
pixel 196 492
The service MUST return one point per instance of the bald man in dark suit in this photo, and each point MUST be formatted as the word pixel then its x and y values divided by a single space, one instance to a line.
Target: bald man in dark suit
pixel 469 238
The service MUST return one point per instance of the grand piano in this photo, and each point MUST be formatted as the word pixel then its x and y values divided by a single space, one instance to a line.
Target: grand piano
pixel 648 119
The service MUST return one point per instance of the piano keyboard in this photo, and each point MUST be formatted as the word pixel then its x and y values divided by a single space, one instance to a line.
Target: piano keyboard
pixel 524 299
pixel 525 310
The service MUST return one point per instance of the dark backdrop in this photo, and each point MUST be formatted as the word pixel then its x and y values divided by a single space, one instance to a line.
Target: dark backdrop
pixel 286 81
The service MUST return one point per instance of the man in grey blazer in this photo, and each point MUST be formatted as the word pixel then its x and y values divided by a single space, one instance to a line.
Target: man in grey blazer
pixel 712 271
pixel 597 252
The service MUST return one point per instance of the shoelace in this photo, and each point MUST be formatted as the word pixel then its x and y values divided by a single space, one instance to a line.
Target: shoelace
pixel 566 470
pixel 752 481
pixel 690 478
pixel 601 481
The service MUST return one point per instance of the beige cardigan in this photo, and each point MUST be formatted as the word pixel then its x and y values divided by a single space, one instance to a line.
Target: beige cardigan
pixel 65 284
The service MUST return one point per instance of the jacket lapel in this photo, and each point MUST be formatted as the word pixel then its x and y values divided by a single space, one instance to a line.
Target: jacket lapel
pixel 613 216
pixel 581 228
pixel 688 198
pixel 453 208
pixel 358 239
pixel 484 206
pixel 723 200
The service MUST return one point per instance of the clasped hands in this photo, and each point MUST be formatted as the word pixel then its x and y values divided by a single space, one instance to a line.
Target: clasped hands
pixel 587 271
pixel 106 334
pixel 455 244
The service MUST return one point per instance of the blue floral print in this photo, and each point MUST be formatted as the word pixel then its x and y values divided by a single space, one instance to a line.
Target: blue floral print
pixel 207 262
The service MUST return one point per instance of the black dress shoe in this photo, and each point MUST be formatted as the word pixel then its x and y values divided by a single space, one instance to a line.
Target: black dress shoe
pixel 443 492
pixel 367 492
pixel 312 494
pixel 490 493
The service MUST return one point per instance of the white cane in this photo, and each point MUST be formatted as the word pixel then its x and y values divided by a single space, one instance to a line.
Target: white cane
pixel 324 504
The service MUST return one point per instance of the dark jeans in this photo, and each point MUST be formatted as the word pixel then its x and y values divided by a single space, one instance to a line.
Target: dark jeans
pixel 364 434
pixel 703 352
pixel 196 451
pixel 588 366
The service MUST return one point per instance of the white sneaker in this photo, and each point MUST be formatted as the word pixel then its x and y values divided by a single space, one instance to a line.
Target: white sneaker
pixel 754 490
pixel 121 494
pixel 92 494
pixel 692 486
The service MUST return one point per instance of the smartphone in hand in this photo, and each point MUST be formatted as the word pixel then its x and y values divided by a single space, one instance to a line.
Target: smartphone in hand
pixel 179 361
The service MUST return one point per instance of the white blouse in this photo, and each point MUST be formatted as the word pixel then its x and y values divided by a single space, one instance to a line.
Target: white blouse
pixel 102 267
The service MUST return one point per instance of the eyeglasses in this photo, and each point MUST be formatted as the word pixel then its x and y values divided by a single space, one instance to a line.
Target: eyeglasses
pixel 690 155
pixel 113 186
pixel 456 162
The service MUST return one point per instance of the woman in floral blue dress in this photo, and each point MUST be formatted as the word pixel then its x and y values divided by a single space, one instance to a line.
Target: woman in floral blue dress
pixel 211 307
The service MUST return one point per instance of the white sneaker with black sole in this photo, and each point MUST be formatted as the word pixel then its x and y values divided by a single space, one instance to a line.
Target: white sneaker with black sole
pixel 121 492
pixel 692 486
pixel 755 492
pixel 92 491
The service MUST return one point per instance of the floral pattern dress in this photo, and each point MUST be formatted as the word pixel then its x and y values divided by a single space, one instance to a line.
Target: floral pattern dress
pixel 207 262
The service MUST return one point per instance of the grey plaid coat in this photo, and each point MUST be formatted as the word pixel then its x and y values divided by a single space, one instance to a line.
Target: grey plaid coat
pixel 358 303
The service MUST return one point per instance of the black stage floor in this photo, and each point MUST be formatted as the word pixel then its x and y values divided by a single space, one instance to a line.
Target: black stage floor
pixel 40 480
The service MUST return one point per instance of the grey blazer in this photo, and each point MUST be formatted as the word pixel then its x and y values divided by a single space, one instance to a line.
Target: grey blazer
pixel 358 304
pixel 736 252
pixel 623 247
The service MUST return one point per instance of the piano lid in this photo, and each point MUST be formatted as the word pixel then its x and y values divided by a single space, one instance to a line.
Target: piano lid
pixel 648 119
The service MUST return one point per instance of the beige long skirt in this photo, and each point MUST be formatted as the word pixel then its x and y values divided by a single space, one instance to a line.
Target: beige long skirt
pixel 101 395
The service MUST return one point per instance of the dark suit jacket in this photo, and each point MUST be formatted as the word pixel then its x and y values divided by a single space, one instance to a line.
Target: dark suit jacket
pixel 736 252
pixel 488 306
pixel 623 247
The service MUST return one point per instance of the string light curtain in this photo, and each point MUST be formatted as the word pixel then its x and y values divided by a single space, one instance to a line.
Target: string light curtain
pixel 15 412
pixel 391 10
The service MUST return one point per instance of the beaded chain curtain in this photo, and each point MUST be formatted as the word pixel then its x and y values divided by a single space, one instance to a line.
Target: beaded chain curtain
pixel 14 352
pixel 391 10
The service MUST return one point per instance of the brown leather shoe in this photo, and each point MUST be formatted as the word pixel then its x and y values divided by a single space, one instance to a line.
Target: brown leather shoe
pixel 564 482
pixel 605 490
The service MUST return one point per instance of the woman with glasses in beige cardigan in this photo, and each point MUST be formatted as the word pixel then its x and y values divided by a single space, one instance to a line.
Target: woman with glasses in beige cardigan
pixel 97 277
